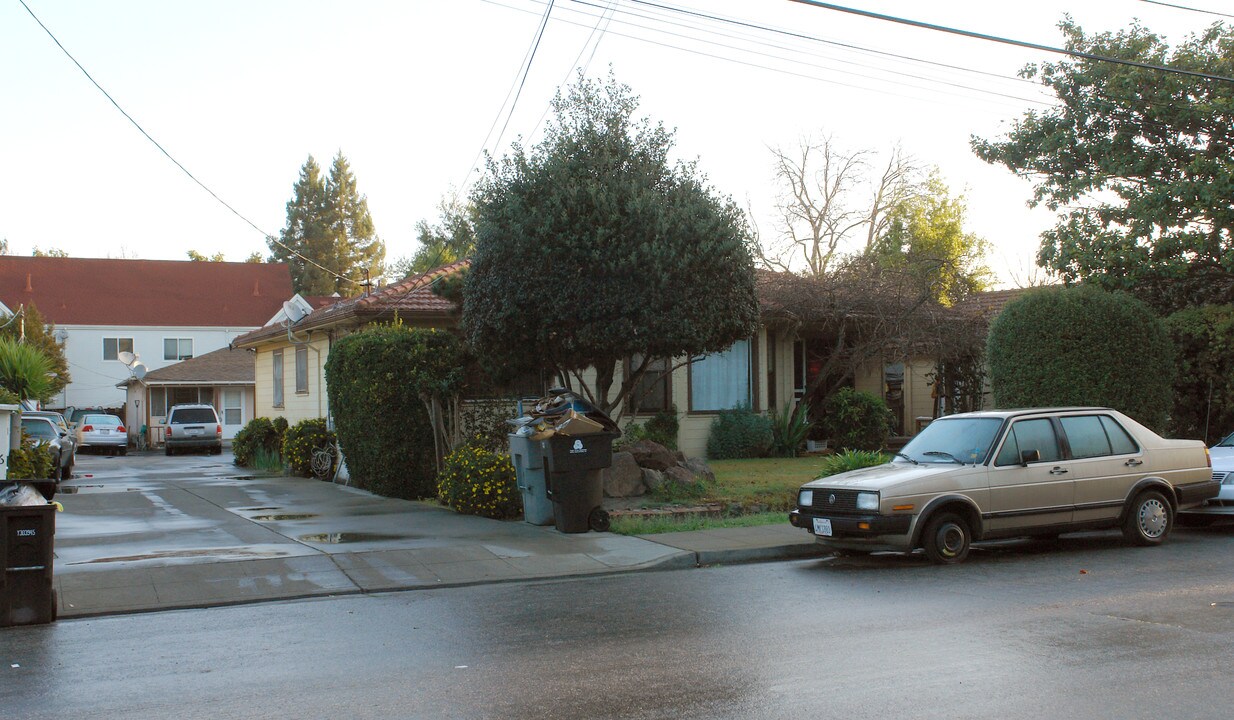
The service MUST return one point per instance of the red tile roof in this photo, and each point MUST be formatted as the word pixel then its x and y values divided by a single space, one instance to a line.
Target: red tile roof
pixel 93 291
pixel 412 299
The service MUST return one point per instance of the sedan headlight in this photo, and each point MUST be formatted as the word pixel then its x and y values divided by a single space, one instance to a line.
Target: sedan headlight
pixel 867 501
pixel 805 498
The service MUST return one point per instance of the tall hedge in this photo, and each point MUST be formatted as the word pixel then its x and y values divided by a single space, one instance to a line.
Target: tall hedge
pixel 1204 389
pixel 382 426
pixel 1082 346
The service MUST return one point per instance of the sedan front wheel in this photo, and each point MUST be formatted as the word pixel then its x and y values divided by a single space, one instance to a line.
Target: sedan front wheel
pixel 947 539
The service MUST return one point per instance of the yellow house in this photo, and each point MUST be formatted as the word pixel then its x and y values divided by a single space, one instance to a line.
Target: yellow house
pixel 773 368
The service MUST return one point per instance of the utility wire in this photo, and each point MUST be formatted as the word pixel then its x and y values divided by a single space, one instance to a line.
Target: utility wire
pixel 605 17
pixel 526 71
pixel 163 150
pixel 1009 41
pixel 1184 7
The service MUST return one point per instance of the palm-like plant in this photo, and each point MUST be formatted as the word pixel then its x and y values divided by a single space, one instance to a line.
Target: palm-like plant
pixel 25 370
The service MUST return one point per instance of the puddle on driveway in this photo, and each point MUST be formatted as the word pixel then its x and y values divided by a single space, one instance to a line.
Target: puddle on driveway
pixel 86 489
pixel 350 537
pixel 220 553
pixel 285 516
pixel 258 509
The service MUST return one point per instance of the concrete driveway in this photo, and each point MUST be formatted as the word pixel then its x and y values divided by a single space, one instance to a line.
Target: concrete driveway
pixel 151 532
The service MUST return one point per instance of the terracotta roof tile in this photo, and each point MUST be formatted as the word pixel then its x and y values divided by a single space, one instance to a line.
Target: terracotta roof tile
pixel 94 291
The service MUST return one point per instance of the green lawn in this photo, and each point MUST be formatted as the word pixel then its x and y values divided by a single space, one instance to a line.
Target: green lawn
pixel 761 491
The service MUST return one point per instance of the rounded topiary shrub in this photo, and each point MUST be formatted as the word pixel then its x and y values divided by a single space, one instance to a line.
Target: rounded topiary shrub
pixel 739 433
pixel 258 436
pixel 301 440
pixel 476 481
pixel 856 420
pixel 1082 346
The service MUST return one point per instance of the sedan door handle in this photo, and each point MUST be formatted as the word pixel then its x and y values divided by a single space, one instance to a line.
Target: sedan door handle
pixel 1134 463
pixel 1059 471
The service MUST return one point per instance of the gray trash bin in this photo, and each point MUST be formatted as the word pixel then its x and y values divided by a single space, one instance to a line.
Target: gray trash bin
pixel 527 456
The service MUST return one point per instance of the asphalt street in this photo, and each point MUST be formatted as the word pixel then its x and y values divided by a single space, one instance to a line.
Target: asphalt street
pixel 1085 628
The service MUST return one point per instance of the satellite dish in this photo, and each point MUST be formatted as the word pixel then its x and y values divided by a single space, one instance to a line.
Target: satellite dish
pixel 126 357
pixel 293 311
pixel 138 370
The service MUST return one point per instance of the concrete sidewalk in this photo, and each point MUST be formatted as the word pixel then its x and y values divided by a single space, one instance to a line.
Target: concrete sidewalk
pixel 145 535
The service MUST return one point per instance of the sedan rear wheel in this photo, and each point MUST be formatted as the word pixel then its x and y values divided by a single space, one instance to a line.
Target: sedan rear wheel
pixel 947 539
pixel 1149 519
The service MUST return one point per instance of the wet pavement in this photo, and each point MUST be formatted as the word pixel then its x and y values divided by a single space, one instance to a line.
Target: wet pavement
pixel 149 532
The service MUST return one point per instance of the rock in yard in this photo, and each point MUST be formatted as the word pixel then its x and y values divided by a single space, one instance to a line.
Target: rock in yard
pixel 653 479
pixel 624 478
pixel 652 455
pixel 700 468
pixel 678 475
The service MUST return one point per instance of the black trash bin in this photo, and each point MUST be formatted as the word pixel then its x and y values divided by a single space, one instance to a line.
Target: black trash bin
pixel 575 483
pixel 27 596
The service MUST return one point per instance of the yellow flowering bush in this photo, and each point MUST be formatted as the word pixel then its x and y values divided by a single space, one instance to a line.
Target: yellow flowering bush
pixel 299 442
pixel 475 481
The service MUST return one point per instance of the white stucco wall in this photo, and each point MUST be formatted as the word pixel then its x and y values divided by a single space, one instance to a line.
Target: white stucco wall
pixel 94 379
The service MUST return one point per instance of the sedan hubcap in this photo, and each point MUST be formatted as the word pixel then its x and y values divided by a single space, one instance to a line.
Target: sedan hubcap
pixel 1153 518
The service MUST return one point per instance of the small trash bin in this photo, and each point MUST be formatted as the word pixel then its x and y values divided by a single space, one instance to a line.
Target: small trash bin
pixel 26 540
pixel 527 456
pixel 575 482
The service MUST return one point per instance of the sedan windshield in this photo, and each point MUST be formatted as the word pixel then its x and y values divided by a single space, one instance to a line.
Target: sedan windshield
pixel 39 428
pixel 963 440
pixel 1227 442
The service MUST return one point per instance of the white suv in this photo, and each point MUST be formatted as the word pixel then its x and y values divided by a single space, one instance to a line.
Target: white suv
pixel 192 427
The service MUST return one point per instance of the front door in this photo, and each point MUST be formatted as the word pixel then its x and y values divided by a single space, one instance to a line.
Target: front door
pixel 1041 493
pixel 233 412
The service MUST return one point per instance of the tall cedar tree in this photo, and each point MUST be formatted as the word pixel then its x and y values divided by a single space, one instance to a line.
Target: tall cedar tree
pixel 592 248
pixel 1138 162
pixel 41 336
pixel 328 222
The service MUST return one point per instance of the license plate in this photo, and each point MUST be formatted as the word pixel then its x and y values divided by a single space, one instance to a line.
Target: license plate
pixel 105 431
pixel 822 526
pixel 194 431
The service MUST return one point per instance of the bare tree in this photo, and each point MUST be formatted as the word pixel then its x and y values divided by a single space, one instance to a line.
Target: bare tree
pixel 826 197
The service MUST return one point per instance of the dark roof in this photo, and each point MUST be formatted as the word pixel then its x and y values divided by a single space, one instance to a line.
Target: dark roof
pixel 225 366
pixel 413 300
pixel 94 291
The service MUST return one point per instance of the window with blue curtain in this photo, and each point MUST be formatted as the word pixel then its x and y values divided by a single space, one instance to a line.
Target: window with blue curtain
pixel 721 381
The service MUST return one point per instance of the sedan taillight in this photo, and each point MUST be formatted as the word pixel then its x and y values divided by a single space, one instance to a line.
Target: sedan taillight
pixel 88 428
pixel 120 429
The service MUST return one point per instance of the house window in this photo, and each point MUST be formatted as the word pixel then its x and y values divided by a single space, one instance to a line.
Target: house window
pixel 302 370
pixel 278 378
pixel 112 347
pixel 177 348
pixel 652 393
pixel 158 402
pixel 721 381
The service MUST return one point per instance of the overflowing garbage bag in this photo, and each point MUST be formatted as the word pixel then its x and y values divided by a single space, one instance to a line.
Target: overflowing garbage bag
pixel 15 494
pixel 559 447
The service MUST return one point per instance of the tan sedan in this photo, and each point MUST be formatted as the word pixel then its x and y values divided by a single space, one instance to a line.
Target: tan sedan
pixel 1011 473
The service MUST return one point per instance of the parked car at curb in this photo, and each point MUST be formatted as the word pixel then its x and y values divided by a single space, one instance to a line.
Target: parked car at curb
pixel 192 427
pixel 1011 473
pixel 45 431
pixel 1220 507
pixel 102 432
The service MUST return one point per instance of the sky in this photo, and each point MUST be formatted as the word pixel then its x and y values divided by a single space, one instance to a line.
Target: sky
pixel 241 92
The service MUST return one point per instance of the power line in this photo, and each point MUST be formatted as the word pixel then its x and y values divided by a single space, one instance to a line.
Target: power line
pixel 1184 7
pixel 163 150
pixel 1008 41
pixel 526 71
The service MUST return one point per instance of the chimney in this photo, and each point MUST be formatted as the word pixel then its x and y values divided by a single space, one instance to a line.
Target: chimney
pixel 29 287
pixel 256 288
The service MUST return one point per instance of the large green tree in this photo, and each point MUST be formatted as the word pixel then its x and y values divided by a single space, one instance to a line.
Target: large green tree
pixel 925 237
pixel 450 239
pixel 30 329
pixel 1137 162
pixel 328 225
pixel 593 247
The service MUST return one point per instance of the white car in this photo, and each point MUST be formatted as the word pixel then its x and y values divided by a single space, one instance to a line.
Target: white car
pixel 1223 472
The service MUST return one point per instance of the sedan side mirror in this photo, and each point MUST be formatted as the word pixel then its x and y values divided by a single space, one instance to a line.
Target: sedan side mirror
pixel 1029 456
